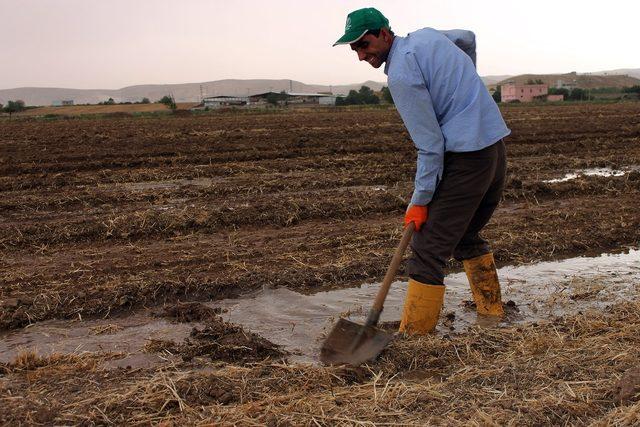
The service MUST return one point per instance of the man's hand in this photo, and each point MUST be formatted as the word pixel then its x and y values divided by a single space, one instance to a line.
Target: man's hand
pixel 416 214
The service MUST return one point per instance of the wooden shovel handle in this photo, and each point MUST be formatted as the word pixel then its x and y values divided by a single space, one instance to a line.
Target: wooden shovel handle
pixel 393 267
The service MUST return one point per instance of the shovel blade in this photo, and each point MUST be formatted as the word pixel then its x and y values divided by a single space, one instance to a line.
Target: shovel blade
pixel 353 344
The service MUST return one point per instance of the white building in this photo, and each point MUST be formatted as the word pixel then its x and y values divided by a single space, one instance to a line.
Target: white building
pixel 327 100
pixel 60 103
pixel 295 98
pixel 284 98
pixel 311 98
pixel 225 101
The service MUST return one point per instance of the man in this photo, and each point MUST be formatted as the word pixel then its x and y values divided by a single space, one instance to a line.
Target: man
pixel 457 129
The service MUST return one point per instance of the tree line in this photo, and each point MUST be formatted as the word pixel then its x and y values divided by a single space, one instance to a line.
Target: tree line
pixel 364 96
pixel 111 101
pixel 13 107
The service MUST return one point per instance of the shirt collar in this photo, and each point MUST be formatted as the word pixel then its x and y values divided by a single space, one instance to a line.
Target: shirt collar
pixel 394 45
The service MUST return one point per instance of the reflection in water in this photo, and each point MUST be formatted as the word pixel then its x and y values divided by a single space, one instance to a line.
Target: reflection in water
pixel 588 172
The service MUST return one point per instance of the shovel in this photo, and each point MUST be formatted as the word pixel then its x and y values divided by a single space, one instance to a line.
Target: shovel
pixel 352 344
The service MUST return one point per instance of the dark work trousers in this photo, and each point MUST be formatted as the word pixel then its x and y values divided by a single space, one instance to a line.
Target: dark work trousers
pixel 464 200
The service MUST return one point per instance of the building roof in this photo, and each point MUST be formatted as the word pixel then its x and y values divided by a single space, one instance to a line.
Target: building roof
pixel 293 94
pixel 308 94
pixel 225 97
pixel 523 84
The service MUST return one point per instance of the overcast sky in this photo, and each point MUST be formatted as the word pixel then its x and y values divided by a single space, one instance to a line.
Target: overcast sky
pixel 109 44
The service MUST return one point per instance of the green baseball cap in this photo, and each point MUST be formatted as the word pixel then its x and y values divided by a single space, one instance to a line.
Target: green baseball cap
pixel 359 22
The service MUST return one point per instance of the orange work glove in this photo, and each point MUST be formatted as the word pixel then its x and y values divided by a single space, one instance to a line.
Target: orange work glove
pixel 416 214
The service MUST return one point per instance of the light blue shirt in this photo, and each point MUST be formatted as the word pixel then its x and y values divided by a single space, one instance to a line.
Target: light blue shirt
pixel 442 101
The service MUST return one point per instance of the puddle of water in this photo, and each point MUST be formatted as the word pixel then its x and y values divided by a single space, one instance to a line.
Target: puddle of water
pixel 588 172
pixel 127 335
pixel 299 322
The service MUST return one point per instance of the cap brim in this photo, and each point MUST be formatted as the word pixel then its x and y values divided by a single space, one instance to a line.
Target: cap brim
pixel 349 38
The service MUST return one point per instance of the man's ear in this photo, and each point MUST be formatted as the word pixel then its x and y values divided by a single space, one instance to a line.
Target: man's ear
pixel 386 34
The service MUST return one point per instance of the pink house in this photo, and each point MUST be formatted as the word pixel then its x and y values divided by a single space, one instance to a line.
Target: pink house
pixel 510 92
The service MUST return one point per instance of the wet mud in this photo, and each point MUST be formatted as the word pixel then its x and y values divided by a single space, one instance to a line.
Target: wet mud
pixel 281 323
pixel 221 341
pixel 189 312
pixel 101 216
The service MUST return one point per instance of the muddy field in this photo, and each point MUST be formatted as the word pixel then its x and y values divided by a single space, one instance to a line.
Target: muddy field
pixel 102 220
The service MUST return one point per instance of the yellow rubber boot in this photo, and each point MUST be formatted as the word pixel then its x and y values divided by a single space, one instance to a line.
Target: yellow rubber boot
pixel 483 279
pixel 422 307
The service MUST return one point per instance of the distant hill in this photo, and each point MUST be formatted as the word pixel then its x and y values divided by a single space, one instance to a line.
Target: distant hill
pixel 187 92
pixel 585 81
pixel 492 80
pixel 632 72
pixel 190 92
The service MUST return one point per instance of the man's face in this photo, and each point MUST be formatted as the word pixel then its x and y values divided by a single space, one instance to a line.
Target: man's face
pixel 373 49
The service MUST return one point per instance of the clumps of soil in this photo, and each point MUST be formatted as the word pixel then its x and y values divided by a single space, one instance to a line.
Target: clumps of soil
pixel 160 346
pixel 217 339
pixel 449 319
pixel 628 388
pixel 509 307
pixel 224 341
pixel 190 312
